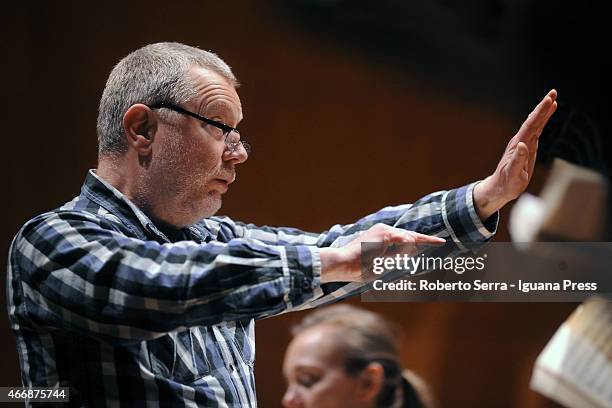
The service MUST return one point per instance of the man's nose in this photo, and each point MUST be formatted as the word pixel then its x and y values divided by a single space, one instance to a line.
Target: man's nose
pixel 237 156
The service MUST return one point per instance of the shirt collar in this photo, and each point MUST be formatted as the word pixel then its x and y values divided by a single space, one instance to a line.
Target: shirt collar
pixel 100 191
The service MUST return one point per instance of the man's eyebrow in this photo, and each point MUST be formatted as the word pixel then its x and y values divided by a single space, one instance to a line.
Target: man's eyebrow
pixel 221 108
pixel 218 106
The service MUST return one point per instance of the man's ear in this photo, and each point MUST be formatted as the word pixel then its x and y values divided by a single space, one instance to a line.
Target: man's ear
pixel 140 126
pixel 371 380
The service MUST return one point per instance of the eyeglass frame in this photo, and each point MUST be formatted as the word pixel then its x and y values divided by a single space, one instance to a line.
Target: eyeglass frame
pixel 225 128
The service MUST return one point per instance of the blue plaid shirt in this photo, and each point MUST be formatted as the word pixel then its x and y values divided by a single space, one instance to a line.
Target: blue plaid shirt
pixel 103 301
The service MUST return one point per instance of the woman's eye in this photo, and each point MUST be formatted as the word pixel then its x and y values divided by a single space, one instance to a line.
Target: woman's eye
pixel 307 380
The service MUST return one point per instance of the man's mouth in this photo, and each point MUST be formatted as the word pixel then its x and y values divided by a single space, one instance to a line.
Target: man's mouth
pixel 228 179
pixel 224 182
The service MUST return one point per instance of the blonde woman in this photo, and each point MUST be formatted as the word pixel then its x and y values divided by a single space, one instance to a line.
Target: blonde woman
pixel 343 356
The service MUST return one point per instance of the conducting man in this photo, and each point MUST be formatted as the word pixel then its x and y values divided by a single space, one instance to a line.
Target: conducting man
pixel 135 294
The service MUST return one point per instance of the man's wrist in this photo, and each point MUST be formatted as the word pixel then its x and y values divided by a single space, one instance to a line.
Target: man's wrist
pixel 328 262
pixel 488 198
pixel 333 265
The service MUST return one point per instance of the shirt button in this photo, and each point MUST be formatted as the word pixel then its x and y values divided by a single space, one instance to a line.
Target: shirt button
pixel 306 284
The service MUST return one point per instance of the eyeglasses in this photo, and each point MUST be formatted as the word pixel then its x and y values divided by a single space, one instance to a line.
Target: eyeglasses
pixel 232 135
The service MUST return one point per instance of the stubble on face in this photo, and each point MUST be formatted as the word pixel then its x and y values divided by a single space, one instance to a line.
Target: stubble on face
pixel 178 181
pixel 187 174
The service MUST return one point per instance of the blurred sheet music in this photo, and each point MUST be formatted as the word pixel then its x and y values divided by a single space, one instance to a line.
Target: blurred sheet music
pixel 575 368
pixel 572 207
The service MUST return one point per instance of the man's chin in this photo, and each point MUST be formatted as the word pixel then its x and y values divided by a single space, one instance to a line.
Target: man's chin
pixel 212 204
pixel 194 215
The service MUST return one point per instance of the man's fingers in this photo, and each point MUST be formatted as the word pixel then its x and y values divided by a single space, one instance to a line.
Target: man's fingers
pixel 532 154
pixel 539 116
pixel 392 235
pixel 546 103
pixel 533 140
pixel 534 146
pixel 551 110
pixel 411 237
pixel 422 238
pixel 410 242
pixel 397 236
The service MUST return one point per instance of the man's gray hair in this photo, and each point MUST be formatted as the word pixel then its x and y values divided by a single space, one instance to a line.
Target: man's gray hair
pixel 154 73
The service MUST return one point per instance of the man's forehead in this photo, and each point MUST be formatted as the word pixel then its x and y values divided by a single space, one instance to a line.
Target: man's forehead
pixel 215 93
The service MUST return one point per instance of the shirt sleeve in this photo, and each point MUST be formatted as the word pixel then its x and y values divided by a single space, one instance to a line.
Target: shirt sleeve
pixel 447 214
pixel 75 271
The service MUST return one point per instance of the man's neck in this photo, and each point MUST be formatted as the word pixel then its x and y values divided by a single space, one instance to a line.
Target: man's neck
pixel 116 172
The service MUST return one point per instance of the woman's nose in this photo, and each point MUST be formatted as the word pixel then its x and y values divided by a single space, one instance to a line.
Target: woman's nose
pixel 291 399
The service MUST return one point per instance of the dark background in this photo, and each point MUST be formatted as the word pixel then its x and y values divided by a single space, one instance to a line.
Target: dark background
pixel 350 106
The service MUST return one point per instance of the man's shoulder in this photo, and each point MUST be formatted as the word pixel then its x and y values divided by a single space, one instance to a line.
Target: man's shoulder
pixel 75 211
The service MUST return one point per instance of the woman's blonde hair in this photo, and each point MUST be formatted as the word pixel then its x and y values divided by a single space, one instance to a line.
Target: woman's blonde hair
pixel 365 338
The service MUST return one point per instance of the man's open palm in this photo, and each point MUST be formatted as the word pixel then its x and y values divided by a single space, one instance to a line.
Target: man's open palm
pixel 515 168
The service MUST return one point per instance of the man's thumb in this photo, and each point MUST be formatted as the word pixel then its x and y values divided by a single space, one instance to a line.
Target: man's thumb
pixel 519 159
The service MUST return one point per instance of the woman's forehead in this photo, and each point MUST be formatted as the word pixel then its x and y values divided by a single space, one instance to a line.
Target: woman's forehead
pixel 317 344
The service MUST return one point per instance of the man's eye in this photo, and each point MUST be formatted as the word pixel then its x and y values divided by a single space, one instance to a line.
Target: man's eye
pixel 217 132
pixel 218 119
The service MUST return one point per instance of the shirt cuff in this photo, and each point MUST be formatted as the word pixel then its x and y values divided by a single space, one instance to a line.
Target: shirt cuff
pixel 462 221
pixel 303 264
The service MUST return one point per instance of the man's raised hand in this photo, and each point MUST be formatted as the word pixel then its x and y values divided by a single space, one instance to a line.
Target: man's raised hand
pixel 515 169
